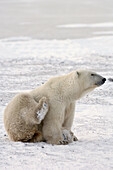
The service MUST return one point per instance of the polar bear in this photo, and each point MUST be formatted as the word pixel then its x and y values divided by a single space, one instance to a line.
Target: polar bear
pixel 47 112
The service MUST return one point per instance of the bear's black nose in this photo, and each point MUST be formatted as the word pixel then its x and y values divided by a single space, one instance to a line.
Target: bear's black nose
pixel 103 80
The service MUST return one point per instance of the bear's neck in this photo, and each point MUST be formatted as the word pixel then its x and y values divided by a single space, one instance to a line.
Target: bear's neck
pixel 69 88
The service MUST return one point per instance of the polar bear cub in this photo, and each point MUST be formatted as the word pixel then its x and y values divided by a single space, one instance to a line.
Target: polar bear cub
pixel 47 112
pixel 22 117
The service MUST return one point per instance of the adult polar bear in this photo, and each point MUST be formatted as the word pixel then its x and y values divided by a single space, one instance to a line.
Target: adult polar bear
pixel 46 113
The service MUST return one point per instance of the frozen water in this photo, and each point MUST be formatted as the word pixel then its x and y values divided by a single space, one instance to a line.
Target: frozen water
pixel 96 25
pixel 40 18
pixel 26 63
pixel 104 33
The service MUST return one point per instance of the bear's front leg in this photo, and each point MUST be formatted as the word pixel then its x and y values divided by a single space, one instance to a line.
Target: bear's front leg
pixel 68 121
pixel 52 134
pixel 52 125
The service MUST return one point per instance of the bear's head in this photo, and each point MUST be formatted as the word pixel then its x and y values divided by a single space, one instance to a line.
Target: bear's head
pixel 88 81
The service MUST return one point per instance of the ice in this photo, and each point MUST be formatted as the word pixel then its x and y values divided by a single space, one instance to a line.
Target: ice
pixel 96 25
pixel 103 33
pixel 26 63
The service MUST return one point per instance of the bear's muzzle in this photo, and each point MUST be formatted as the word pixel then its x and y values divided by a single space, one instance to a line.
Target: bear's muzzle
pixel 101 82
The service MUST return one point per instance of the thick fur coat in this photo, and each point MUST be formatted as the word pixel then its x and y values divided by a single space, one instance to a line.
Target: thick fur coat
pixel 47 112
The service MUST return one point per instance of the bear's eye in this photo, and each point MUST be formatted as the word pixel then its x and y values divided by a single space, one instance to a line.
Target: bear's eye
pixel 92 74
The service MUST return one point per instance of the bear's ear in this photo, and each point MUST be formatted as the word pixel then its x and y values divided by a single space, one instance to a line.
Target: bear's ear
pixel 78 74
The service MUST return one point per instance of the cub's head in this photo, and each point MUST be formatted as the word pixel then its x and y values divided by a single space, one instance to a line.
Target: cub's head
pixel 88 81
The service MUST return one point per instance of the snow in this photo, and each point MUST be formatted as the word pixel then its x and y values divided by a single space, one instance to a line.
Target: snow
pixel 103 33
pixel 26 63
pixel 96 25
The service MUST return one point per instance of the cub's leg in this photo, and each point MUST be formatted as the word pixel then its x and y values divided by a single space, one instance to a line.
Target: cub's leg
pixel 37 137
pixel 40 112
pixel 21 119
pixel 37 114
pixel 42 109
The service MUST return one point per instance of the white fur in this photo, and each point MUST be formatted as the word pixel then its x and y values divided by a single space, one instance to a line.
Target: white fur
pixel 61 94
pixel 41 113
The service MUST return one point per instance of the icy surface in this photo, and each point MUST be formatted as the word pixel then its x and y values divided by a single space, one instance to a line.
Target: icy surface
pixel 96 25
pixel 27 63
pixel 104 33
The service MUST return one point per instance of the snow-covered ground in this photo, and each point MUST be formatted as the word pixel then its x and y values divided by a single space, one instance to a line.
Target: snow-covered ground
pixel 27 63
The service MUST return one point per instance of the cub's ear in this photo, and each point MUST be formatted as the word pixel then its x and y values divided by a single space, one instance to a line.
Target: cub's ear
pixel 78 74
